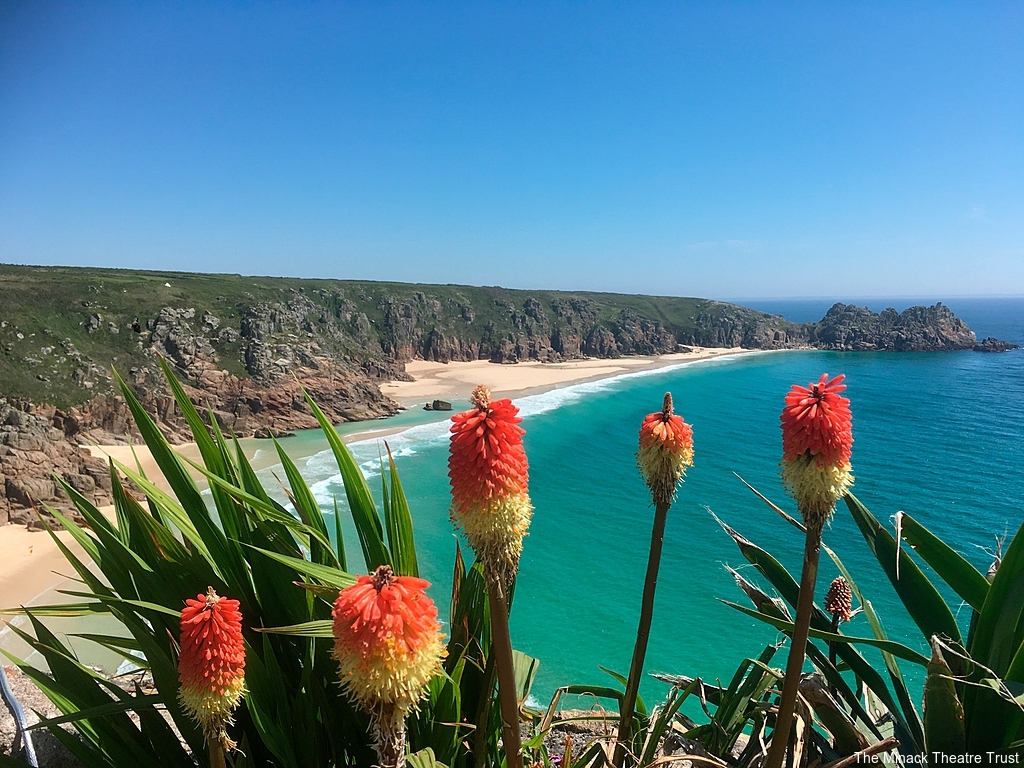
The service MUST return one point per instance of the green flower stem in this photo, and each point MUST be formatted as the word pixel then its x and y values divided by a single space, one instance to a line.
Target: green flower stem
pixel 797 648
pixel 501 647
pixel 643 632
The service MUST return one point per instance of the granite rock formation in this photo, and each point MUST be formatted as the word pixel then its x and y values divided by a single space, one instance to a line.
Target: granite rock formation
pixel 32 451
pixel 277 345
pixel 918 329
pixel 992 344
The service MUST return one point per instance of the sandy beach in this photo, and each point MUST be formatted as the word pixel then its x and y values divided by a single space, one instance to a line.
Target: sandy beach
pixel 455 381
pixel 30 562
pixel 31 566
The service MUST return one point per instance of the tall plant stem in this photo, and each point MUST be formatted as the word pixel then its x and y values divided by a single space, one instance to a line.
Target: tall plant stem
pixel 501 648
pixel 797 648
pixel 390 745
pixel 643 632
pixel 216 747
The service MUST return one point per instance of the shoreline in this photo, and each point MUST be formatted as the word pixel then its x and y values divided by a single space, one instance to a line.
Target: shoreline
pixel 32 567
pixel 455 381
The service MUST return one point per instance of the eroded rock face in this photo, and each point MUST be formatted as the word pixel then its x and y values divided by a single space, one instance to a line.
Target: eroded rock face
pixel 918 329
pixel 32 451
pixel 277 344
pixel 239 405
pixel 726 325
pixel 636 335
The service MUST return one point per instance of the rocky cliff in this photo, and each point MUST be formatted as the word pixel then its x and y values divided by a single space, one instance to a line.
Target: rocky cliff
pixel 32 451
pixel 241 345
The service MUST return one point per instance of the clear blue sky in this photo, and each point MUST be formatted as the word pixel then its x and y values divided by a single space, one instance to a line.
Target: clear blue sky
pixel 710 149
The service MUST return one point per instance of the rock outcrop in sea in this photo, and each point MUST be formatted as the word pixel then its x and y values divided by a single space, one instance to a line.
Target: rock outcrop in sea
pixel 918 329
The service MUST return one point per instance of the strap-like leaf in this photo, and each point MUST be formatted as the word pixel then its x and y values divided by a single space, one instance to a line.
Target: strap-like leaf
pixel 309 510
pixel 63 609
pixel 896 649
pixel 322 628
pixel 910 714
pixel 333 577
pixel 526 671
pixel 399 525
pixel 212 457
pixel 424 759
pixel 943 712
pixel 360 500
pixel 788 587
pixel 922 601
pixel 115 707
pixel 996 643
pixel 964 579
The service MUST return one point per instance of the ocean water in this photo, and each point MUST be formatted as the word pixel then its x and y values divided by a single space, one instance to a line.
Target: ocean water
pixel 939 435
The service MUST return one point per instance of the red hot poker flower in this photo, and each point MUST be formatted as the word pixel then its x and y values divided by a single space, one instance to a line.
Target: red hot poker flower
pixel 387 641
pixel 817 419
pixel 666 451
pixel 817 442
pixel 487 459
pixel 489 476
pixel 211 665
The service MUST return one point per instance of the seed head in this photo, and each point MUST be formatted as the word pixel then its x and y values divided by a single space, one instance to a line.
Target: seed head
pixel 839 599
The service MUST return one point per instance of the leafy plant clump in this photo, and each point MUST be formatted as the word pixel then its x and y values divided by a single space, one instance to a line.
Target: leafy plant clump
pixel 285 568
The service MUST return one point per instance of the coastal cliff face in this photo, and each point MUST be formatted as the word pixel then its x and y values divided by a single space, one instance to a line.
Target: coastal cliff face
pixel 32 451
pixel 240 346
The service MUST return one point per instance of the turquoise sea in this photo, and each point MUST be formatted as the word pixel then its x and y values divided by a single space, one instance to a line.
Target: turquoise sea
pixel 939 435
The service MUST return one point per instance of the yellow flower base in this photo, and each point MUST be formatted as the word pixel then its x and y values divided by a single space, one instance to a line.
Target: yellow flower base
pixel 816 488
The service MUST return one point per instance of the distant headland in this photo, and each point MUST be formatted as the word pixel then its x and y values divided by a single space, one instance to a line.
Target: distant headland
pixel 241 345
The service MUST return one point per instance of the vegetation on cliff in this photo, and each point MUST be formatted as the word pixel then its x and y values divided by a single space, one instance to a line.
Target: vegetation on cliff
pixel 235 338
pixel 64 327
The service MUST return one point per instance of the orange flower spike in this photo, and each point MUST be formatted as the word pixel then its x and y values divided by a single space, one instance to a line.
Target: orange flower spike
pixel 211 665
pixel 387 642
pixel 817 443
pixel 489 476
pixel 487 459
pixel 666 451
pixel 818 419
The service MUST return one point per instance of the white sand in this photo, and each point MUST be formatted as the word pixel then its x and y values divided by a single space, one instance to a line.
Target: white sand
pixel 455 381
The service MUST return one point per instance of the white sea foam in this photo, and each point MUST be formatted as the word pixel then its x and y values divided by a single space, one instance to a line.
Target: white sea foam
pixel 556 398
pixel 321 470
